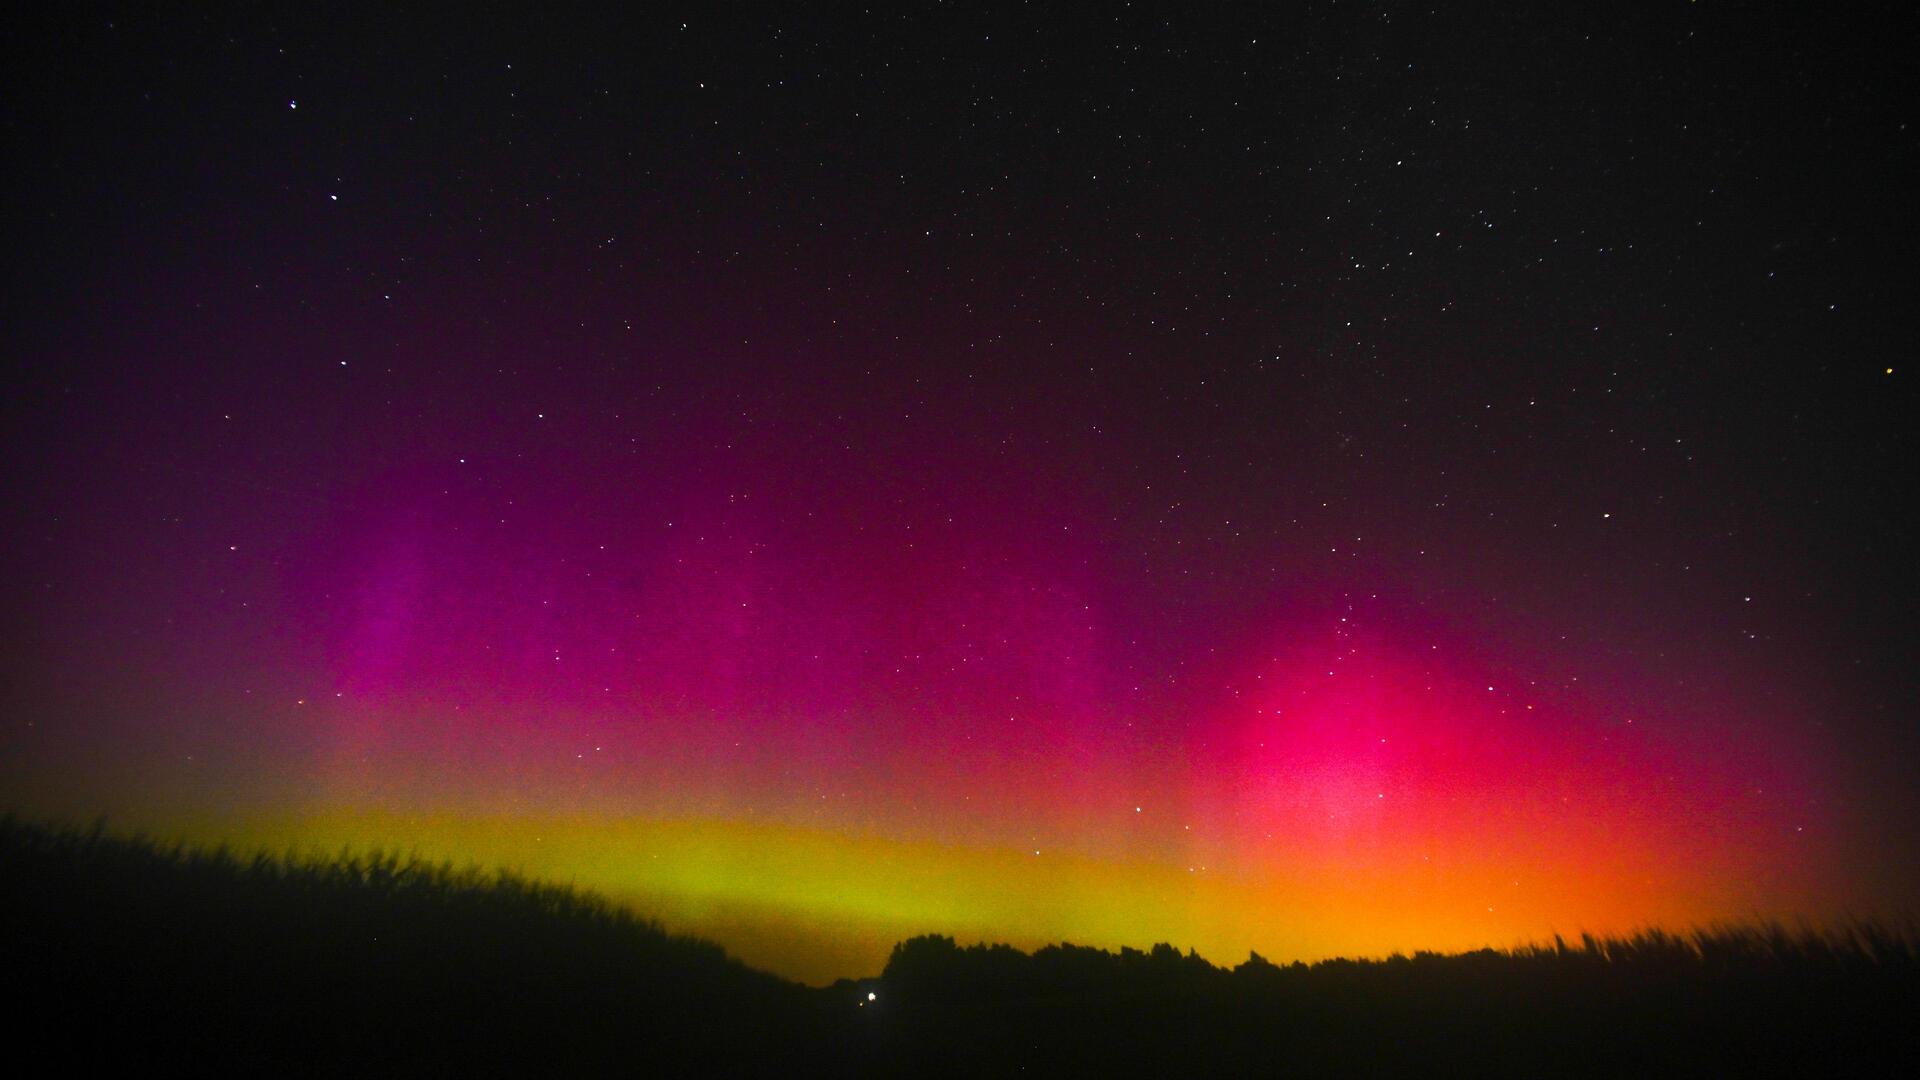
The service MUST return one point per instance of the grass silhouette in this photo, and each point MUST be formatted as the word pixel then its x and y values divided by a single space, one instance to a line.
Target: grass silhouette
pixel 132 952
pixel 372 962
pixel 1739 998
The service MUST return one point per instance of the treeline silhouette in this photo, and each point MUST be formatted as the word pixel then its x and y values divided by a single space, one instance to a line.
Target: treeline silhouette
pixel 128 952
pixel 369 964
pixel 1752 999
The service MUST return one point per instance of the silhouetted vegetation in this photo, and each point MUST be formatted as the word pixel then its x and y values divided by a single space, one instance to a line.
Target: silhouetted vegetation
pixel 365 963
pixel 132 952
pixel 1720 1001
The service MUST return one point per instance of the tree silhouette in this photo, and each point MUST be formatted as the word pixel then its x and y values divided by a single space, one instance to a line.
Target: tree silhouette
pixel 137 954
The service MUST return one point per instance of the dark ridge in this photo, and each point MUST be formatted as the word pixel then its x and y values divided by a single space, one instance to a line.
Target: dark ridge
pixel 128 952
pixel 1730 1000
pixel 365 963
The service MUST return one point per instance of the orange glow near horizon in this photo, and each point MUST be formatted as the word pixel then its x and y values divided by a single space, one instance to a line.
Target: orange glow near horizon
pixel 1345 792
pixel 818 904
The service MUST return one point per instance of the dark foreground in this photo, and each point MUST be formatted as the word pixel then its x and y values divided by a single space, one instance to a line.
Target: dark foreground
pixel 129 954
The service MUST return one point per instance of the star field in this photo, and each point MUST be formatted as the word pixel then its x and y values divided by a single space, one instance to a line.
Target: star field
pixel 1333 482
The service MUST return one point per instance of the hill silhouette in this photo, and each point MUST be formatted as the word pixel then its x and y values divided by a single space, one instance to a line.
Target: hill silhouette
pixel 134 953
pixel 1752 999
pixel 364 963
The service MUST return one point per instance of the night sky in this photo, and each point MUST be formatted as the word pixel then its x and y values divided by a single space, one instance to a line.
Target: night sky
pixel 1324 483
